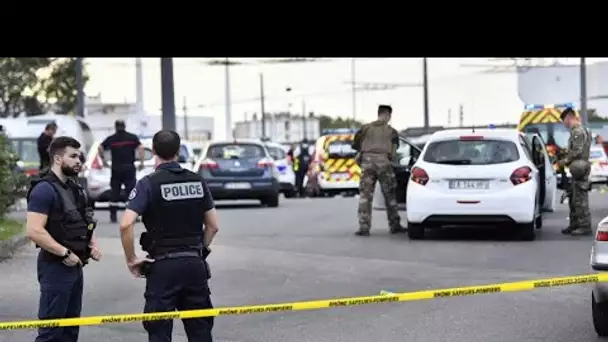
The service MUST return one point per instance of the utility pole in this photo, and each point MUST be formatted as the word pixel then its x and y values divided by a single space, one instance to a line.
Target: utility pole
pixel 79 87
pixel 425 85
pixel 583 112
pixel 450 117
pixel 353 79
pixel 304 120
pixel 262 105
pixel 185 108
pixel 228 101
pixel 139 95
pixel 168 96
pixel 461 116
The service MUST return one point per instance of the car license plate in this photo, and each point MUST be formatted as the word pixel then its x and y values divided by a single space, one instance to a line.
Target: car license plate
pixel 339 176
pixel 239 186
pixel 469 184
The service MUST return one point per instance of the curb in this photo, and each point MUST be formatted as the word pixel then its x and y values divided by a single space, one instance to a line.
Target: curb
pixel 9 247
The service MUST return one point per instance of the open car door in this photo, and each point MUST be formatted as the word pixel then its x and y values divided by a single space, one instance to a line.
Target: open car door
pixel 550 198
pixel 407 155
pixel 547 178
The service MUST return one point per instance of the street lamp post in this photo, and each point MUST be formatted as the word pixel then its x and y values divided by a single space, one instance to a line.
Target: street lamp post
pixel 168 97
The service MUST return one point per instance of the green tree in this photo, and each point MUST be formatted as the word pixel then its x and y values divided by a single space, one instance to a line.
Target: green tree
pixel 593 116
pixel 327 122
pixel 31 85
pixel 11 183
pixel 17 76
pixel 60 86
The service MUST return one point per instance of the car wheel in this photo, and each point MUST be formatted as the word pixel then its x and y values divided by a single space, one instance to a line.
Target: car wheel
pixel 415 231
pixel 599 312
pixel 271 201
pixel 526 231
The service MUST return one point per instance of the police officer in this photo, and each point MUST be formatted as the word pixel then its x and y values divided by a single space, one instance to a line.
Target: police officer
pixel 300 166
pixel 59 224
pixel 43 143
pixel 174 204
pixel 377 143
pixel 122 144
pixel 576 159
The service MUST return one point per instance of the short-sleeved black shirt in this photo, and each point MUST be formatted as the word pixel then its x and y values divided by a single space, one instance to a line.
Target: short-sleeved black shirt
pixel 122 146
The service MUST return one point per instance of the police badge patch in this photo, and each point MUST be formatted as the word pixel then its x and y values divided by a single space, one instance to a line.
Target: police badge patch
pixel 132 194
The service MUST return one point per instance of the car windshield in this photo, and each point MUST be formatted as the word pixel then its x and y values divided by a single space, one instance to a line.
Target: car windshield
pixel 341 148
pixel 236 151
pixel 276 153
pixel 471 152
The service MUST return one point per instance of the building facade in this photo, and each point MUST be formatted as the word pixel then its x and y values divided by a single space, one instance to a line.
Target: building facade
pixel 101 116
pixel 282 127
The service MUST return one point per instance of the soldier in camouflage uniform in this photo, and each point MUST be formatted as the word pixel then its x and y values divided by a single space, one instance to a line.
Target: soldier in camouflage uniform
pixel 577 160
pixel 376 143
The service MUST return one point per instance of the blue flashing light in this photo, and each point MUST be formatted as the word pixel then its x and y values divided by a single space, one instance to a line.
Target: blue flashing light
pixel 561 105
pixel 491 126
pixel 339 131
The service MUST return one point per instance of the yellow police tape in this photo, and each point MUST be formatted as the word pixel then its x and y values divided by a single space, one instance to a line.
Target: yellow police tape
pixel 384 297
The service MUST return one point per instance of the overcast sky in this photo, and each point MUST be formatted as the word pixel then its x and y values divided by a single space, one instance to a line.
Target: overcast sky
pixel 323 87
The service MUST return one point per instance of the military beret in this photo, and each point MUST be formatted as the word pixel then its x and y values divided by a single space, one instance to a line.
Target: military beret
pixel 385 108
pixel 565 113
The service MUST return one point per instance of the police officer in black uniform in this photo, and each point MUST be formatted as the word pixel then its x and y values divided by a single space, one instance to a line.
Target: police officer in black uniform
pixel 59 223
pixel 174 204
pixel 301 166
pixel 122 144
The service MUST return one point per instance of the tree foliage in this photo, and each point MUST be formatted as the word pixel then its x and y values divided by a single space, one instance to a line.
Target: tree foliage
pixel 593 116
pixel 11 181
pixel 327 122
pixel 34 85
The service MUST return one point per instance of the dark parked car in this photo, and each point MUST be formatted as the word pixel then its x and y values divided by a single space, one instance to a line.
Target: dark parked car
pixel 240 170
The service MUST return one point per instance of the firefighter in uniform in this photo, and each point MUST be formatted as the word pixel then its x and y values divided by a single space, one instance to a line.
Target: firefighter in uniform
pixel 576 158
pixel 59 223
pixel 122 145
pixel 174 204
pixel 300 166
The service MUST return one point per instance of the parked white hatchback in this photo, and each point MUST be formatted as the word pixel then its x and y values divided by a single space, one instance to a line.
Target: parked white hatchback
pixel 495 177
pixel 599 262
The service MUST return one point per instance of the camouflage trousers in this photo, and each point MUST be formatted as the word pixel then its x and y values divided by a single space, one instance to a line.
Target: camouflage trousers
pixel 578 202
pixel 381 171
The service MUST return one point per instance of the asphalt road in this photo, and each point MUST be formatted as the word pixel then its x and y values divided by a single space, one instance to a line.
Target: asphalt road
pixel 305 249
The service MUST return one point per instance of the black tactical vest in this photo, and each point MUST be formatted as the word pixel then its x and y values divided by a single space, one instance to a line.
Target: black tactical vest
pixel 174 219
pixel 67 223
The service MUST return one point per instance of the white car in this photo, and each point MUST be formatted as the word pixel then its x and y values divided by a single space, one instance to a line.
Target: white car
pixel 494 177
pixel 599 164
pixel 98 177
pixel 599 263
pixel 283 168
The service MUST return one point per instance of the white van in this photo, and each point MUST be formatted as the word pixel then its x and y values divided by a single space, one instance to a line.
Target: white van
pixel 23 133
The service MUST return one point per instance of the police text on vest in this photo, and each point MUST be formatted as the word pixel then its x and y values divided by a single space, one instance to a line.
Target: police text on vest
pixel 182 191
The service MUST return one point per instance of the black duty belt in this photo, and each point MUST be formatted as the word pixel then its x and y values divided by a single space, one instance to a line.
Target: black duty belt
pixel 176 255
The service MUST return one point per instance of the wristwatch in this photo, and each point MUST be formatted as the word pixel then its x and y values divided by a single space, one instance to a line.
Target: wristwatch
pixel 67 254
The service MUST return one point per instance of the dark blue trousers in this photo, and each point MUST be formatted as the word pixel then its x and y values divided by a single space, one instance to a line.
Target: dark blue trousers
pixel 178 284
pixel 60 297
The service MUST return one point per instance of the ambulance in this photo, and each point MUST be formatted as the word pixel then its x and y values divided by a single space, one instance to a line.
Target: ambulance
pixel 546 121
pixel 333 168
